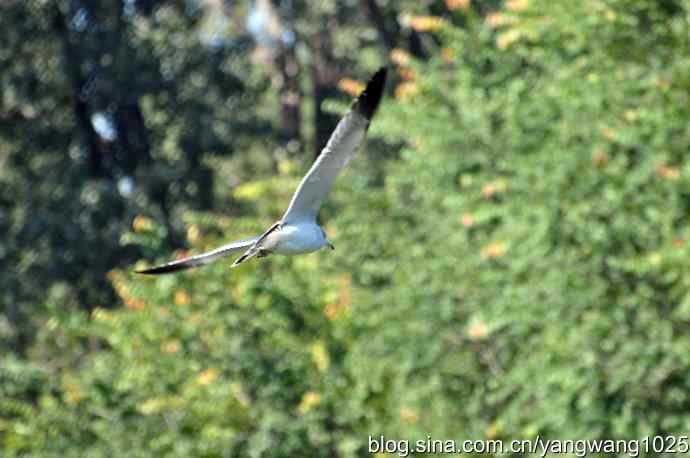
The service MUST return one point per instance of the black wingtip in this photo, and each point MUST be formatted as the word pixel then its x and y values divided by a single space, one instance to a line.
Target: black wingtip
pixel 240 260
pixel 369 99
pixel 164 269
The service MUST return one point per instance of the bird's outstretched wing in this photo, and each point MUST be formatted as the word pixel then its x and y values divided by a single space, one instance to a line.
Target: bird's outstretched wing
pixel 342 145
pixel 200 259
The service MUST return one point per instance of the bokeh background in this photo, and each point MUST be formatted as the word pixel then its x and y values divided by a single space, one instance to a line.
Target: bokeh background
pixel 513 250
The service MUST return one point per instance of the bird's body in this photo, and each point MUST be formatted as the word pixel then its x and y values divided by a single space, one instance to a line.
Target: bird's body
pixel 297 232
pixel 296 238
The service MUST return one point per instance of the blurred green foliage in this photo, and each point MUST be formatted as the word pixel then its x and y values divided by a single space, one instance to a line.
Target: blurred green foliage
pixel 512 242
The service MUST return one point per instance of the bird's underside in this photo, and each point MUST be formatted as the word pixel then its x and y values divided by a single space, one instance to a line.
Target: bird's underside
pixel 297 231
pixel 260 248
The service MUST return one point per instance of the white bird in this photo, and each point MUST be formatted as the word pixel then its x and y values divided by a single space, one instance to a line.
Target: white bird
pixel 297 231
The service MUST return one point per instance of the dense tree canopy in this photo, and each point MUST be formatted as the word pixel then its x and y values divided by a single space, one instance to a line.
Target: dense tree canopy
pixel 512 242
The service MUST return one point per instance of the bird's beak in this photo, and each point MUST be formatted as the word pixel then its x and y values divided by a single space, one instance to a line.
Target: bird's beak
pixel 330 245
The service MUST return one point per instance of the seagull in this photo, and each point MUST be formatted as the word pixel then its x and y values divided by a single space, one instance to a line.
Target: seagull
pixel 297 232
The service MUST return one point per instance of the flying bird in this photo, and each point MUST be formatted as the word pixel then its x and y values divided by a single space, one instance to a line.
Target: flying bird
pixel 297 232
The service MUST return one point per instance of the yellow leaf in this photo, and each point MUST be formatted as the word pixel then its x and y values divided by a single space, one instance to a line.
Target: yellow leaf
pixel 101 314
pixel 493 250
pixel 517 5
pixel 408 415
pixel 655 258
pixel 142 223
pixel 493 188
pixel 151 406
pixel 171 347
pixel 240 394
pixel 339 303
pixel 400 57
pixel 608 133
pixel 477 331
pixel 156 405
pixel 207 377
pixel 610 15
pixel 495 19
pixel 507 38
pixel 344 283
pixel 193 233
pixel 447 55
pixel 286 166
pixel 320 357
pixel 71 388
pixel 492 431
pixel 181 297
pixel 417 143
pixel 249 191
pixel 310 400
pixel 631 115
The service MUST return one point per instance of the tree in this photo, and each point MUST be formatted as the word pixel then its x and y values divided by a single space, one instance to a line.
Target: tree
pixel 104 120
pixel 519 270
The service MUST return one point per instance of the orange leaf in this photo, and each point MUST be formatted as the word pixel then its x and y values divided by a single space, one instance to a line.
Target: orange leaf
pixel 405 90
pixel 400 57
pixel 426 23
pixel 477 331
pixel 447 55
pixel 350 86
pixel 181 297
pixel 458 5
pixel 171 347
pixel 667 172
pixel 467 220
pixel 600 158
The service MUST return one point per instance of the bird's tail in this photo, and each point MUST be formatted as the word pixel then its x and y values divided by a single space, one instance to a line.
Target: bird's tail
pixel 250 253
pixel 256 249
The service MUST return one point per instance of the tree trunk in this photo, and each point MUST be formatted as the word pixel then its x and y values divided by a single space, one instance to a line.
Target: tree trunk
pixel 290 95
pixel 80 108
pixel 324 79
